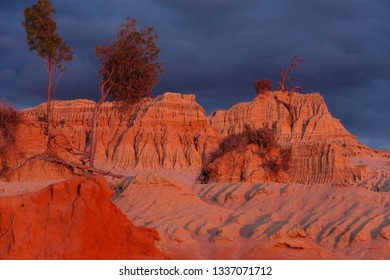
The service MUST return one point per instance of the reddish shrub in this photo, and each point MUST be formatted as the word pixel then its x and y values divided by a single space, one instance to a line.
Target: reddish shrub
pixel 263 138
pixel 9 119
pixel 262 86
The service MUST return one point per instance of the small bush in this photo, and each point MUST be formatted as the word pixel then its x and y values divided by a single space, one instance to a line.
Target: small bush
pixel 263 137
pixel 230 143
pixel 266 143
pixel 9 119
pixel 262 86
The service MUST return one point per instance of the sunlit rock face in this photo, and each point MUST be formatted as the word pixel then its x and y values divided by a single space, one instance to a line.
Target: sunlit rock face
pixel 172 132
pixel 323 151
pixel 161 146
pixel 75 219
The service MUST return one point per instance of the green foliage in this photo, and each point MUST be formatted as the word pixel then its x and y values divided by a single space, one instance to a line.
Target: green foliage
pixel 42 34
pixel 43 37
pixel 129 66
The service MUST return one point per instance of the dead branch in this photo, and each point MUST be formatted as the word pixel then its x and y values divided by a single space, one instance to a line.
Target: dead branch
pixel 74 167
pixel 296 60
pixel 296 89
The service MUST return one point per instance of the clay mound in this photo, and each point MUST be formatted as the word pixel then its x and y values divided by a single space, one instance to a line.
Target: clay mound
pixel 251 156
pixel 260 221
pixel 246 166
pixel 71 220
pixel 298 117
pixel 323 151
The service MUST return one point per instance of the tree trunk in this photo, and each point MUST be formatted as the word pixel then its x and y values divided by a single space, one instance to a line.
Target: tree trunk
pixel 104 94
pixel 49 82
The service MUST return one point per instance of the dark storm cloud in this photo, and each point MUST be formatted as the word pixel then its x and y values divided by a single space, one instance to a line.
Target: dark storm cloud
pixel 218 48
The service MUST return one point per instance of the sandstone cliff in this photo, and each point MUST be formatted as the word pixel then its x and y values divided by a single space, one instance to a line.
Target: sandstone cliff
pixel 71 220
pixel 170 131
pixel 323 151
pixel 173 132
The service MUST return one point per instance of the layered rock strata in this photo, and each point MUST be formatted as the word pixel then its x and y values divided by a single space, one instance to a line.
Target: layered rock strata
pixel 172 132
pixel 323 151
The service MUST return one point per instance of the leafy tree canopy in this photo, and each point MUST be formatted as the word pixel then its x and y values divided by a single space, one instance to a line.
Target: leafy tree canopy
pixel 129 66
pixel 42 34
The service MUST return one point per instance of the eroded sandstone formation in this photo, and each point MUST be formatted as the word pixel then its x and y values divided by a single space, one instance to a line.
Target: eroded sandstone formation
pixel 170 131
pixel 173 132
pixel 323 151
pixel 71 220
pixel 316 211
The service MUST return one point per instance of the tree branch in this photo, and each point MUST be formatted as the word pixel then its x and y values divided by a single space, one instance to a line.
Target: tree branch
pixel 73 166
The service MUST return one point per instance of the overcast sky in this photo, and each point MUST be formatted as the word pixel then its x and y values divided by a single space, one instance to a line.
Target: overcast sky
pixel 218 48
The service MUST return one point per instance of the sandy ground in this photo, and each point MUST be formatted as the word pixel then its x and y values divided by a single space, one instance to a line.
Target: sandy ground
pixel 259 221
pixel 12 189
pixel 250 220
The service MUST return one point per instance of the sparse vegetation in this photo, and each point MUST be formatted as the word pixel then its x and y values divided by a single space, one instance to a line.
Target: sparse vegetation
pixel 265 142
pixel 263 86
pixel 43 37
pixel 9 120
pixel 129 69
pixel 296 60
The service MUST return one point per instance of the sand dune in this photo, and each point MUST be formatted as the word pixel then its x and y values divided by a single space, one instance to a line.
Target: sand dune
pixel 260 220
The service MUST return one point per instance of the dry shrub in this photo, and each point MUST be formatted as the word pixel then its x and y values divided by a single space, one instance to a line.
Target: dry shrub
pixel 262 86
pixel 264 138
pixel 232 142
pixel 265 141
pixel 9 119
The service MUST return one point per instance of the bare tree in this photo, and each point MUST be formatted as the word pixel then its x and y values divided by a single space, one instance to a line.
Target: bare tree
pixel 296 60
